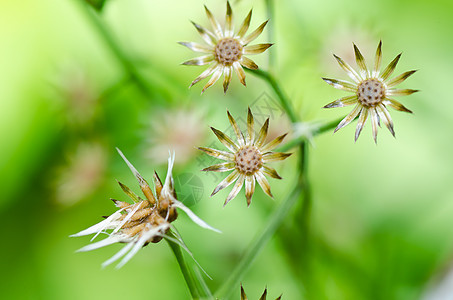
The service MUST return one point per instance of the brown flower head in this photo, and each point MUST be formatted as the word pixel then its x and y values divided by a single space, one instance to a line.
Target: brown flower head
pixel 373 92
pixel 248 159
pixel 144 221
pixel 225 50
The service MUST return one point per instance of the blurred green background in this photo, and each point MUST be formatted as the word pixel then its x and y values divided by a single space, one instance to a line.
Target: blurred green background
pixel 382 215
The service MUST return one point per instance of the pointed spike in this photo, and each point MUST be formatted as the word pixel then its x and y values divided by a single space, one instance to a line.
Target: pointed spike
pixel 360 60
pixel 120 204
pixel 390 68
pixel 243 295
pixel 129 192
pixel 378 59
pixel 158 184
pixel 263 297
pixel 144 186
pixel 245 25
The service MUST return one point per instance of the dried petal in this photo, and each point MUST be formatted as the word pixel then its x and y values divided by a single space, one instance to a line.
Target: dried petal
pixel 254 34
pixel 224 139
pixel 275 156
pixel 199 61
pixel 240 72
pixel 229 21
pixel 206 73
pixel 236 188
pixel 348 119
pixel 215 24
pixel 349 70
pixel 384 115
pixel 402 92
pixel 249 188
pixel 362 119
pixel 360 62
pixel 207 36
pixel 274 143
pixel 345 101
pixel 262 181
pixel 396 105
pixel 378 60
pixel 217 153
pixel 256 49
pixel 227 76
pixel 194 217
pixel 197 47
pixel 213 79
pixel 341 84
pixel 263 134
pixel 226 182
pixel 237 131
pixel 390 68
pixel 400 78
pixel 271 172
pixel 245 25
pixel 248 63
pixel 374 123
pixel 223 167
pixel 250 131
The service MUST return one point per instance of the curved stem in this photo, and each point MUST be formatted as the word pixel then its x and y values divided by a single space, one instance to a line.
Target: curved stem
pixel 284 100
pixel 314 132
pixel 185 270
pixel 257 245
pixel 270 32
pixel 120 54
pixel 282 212
pixel 194 280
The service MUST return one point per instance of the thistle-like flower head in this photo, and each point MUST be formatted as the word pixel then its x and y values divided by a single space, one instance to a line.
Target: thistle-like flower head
pixel 263 296
pixel 247 158
pixel 144 221
pixel 225 50
pixel 373 92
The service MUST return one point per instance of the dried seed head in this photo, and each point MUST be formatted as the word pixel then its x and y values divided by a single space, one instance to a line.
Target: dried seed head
pixel 248 160
pixel 371 87
pixel 371 92
pixel 166 210
pixel 142 222
pixel 227 51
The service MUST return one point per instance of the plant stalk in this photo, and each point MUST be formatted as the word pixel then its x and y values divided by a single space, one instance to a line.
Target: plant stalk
pixel 270 32
pixel 284 101
pixel 185 270
pixel 194 280
pixel 316 131
pixel 119 53
pixel 232 283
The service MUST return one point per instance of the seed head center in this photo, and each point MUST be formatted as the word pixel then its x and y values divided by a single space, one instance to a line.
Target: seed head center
pixel 370 92
pixel 248 160
pixel 227 51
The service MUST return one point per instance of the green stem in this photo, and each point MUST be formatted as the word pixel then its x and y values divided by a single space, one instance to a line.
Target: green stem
pixel 328 126
pixel 185 270
pixel 120 54
pixel 197 287
pixel 284 100
pixel 279 215
pixel 303 185
pixel 316 131
pixel 270 31
pixel 305 215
